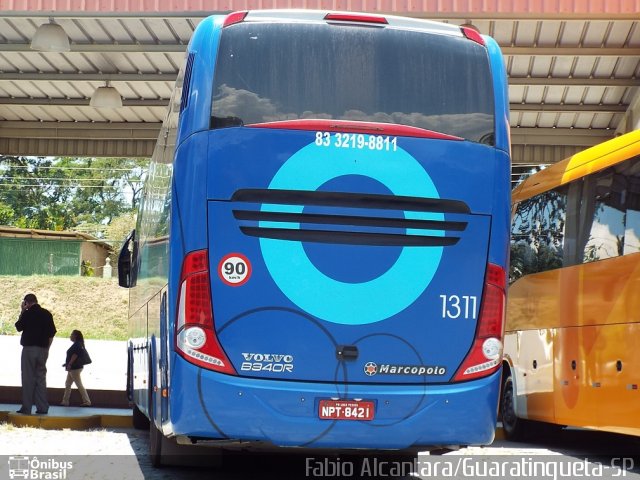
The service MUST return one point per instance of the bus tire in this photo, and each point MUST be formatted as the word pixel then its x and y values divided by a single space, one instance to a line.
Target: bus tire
pixel 156 437
pixel 140 420
pixel 156 441
pixel 129 385
pixel 513 426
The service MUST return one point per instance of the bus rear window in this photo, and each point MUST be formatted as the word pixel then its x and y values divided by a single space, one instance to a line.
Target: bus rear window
pixel 268 72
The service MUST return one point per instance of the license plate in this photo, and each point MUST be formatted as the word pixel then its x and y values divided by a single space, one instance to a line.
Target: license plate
pixel 345 410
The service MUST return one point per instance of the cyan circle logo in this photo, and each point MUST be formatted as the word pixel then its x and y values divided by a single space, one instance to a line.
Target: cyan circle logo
pixel 324 297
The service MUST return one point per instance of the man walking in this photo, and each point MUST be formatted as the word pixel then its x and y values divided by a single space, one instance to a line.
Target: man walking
pixel 38 330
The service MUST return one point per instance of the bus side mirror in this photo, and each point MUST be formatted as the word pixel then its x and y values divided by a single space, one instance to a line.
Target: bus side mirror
pixel 125 261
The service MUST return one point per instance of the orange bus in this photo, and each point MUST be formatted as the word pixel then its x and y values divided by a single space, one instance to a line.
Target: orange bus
pixel 573 312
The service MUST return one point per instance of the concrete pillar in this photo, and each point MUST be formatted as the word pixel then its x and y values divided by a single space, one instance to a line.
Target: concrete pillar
pixel 106 270
pixel 631 119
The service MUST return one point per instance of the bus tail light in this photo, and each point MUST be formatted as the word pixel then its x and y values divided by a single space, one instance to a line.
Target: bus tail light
pixel 485 355
pixel 233 18
pixel 473 34
pixel 196 340
pixel 355 17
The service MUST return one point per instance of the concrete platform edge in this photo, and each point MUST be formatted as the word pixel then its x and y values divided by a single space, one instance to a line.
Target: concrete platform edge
pixel 57 420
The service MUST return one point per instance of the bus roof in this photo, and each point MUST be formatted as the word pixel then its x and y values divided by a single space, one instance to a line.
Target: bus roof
pixel 579 165
pixel 298 15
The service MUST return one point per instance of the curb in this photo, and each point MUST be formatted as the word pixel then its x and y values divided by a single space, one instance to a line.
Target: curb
pixel 47 422
pixel 116 421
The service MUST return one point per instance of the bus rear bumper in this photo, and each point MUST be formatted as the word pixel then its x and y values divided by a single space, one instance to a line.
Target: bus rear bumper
pixel 206 405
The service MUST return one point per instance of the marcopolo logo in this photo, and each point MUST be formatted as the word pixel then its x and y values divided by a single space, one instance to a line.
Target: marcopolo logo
pixel 350 303
pixel 371 368
pixel 38 469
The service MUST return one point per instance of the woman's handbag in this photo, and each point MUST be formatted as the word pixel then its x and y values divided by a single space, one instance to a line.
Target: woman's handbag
pixel 84 358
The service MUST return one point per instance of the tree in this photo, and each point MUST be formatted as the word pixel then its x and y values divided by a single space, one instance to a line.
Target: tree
pixel 68 193
pixel 106 187
pixel 120 226
pixel 117 231
pixel 7 214
pixel 32 191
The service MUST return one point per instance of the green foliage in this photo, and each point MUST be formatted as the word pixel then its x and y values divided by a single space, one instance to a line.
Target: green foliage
pixel 120 226
pixel 117 231
pixel 7 214
pixel 86 270
pixel 83 194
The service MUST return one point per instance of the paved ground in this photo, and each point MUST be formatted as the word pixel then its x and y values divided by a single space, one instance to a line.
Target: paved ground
pixel 122 454
pixel 72 411
pixel 106 372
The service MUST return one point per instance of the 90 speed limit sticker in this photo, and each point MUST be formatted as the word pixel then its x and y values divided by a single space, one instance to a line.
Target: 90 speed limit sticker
pixel 234 269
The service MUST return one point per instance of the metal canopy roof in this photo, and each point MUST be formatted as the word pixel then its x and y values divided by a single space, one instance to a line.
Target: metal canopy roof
pixel 572 79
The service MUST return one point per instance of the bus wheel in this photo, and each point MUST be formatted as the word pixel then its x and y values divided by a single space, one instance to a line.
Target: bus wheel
pixel 130 373
pixel 513 426
pixel 155 445
pixel 140 420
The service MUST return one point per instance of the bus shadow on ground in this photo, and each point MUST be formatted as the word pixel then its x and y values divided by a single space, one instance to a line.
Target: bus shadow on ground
pixel 566 446
pixel 206 462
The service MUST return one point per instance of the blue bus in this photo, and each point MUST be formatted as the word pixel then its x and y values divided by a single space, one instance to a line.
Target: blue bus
pixel 320 254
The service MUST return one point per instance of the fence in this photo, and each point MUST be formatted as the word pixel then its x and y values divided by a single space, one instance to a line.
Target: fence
pixel 25 256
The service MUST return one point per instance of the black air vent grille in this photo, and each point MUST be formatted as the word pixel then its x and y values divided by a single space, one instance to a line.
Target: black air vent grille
pixel 367 230
pixel 354 200
pixel 186 85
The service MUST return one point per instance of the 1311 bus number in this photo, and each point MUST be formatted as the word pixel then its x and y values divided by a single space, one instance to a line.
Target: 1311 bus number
pixel 456 306
pixel 357 141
